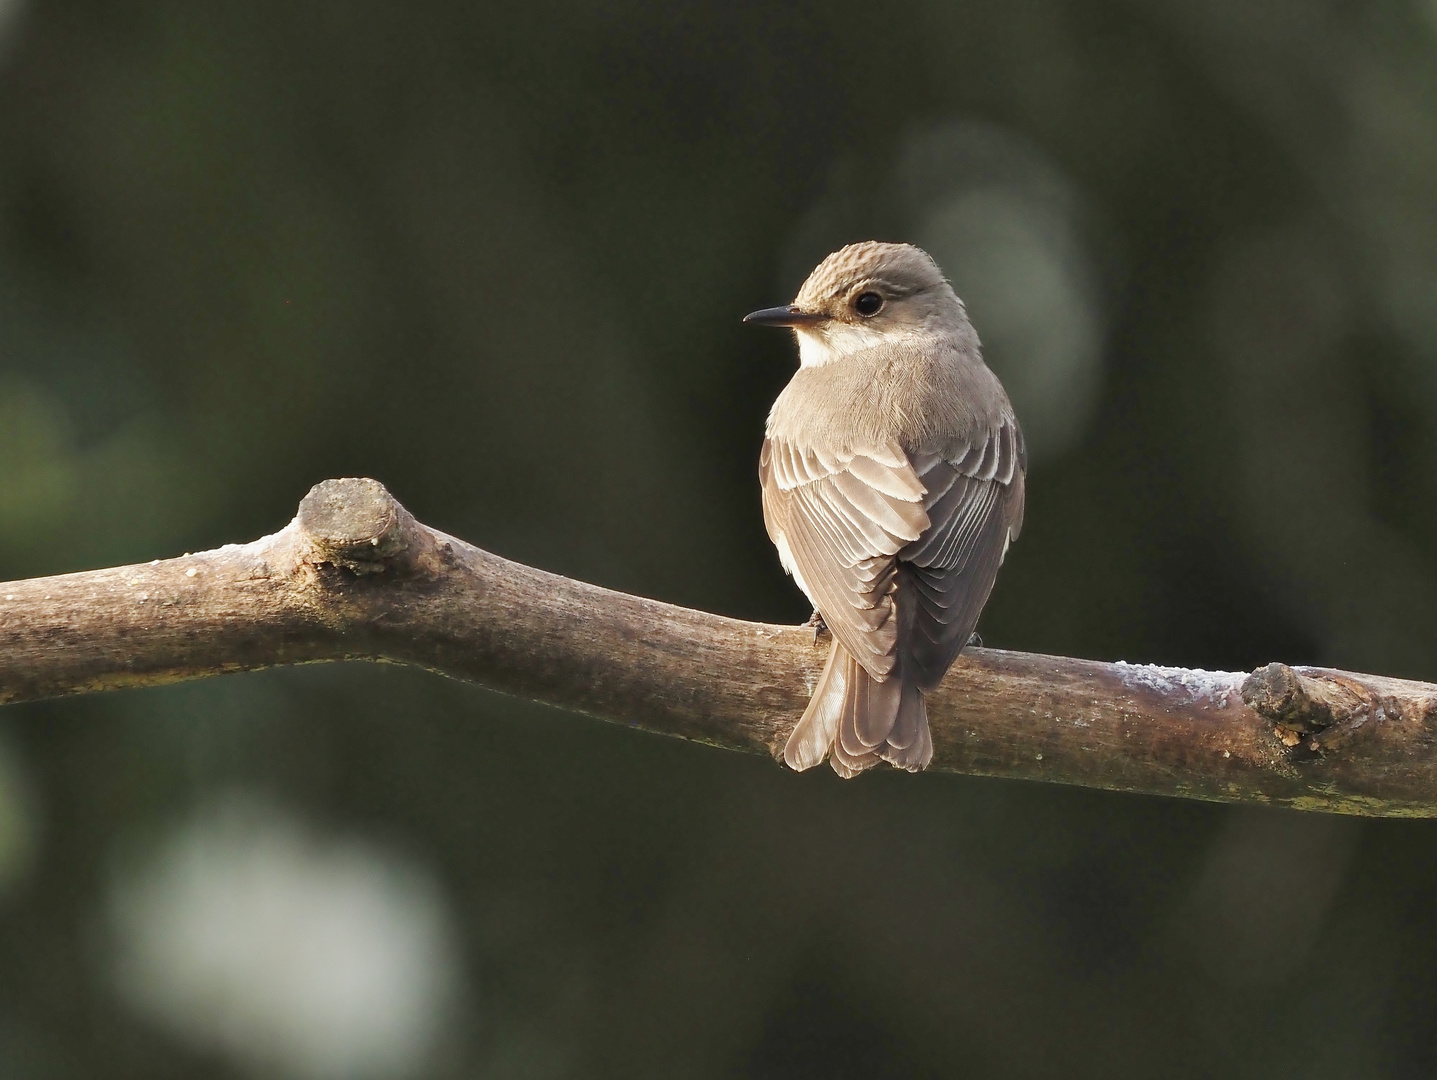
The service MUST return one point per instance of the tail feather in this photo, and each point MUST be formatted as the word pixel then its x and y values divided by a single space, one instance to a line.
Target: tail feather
pixel 809 743
pixel 911 719
pixel 848 765
pixel 869 711
pixel 869 723
pixel 857 721
pixel 911 744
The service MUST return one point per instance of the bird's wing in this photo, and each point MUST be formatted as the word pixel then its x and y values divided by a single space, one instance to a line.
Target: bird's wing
pixel 838 521
pixel 974 500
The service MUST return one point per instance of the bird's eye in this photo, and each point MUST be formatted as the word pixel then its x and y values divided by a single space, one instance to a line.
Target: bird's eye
pixel 868 304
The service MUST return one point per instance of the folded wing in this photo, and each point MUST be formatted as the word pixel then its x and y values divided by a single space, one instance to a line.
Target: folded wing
pixel 975 504
pixel 839 522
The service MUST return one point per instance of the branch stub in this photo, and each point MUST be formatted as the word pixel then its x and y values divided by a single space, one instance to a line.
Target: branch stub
pixel 354 523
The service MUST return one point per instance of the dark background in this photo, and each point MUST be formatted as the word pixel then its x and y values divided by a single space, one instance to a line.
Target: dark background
pixel 495 256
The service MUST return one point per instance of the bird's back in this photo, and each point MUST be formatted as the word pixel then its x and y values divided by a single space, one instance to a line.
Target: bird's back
pixel 926 393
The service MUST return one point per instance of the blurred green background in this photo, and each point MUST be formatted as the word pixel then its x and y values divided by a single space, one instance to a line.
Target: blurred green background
pixel 495 256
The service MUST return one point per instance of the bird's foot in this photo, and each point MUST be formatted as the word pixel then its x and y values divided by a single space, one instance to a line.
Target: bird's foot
pixel 817 625
pixel 975 639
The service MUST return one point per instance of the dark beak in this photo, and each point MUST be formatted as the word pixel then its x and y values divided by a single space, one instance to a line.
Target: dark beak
pixel 788 315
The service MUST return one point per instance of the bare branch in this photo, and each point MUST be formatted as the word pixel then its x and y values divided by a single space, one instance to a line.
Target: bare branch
pixel 354 576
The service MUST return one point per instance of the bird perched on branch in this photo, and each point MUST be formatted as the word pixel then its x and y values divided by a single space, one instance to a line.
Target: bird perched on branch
pixel 893 474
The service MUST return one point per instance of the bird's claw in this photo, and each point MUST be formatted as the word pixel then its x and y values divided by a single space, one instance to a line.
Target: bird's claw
pixel 817 625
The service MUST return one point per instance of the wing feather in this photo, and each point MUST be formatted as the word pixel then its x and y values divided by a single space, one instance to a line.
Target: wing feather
pixel 842 531
pixel 870 533
pixel 898 483
pixel 900 517
pixel 975 504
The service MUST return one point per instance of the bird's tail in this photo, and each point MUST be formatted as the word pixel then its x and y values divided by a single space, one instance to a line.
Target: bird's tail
pixel 861 721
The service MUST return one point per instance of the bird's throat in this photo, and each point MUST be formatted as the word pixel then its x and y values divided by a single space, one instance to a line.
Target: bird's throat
pixel 835 341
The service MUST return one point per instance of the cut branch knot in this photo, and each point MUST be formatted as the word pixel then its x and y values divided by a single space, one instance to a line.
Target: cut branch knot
pixel 1323 711
pixel 355 524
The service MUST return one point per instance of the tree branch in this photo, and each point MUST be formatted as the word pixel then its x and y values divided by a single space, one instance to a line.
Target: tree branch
pixel 354 576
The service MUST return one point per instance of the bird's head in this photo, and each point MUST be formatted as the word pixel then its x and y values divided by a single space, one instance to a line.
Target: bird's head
pixel 864 295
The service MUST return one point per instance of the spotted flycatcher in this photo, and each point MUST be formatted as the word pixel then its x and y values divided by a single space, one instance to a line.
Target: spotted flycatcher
pixel 893 473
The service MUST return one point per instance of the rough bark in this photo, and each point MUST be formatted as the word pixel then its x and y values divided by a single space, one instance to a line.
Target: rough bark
pixel 354 576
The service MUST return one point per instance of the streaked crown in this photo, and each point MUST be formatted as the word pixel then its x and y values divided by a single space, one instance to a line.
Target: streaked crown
pixel 897 269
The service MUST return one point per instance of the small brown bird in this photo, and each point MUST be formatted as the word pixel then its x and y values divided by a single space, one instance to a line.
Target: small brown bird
pixel 893 474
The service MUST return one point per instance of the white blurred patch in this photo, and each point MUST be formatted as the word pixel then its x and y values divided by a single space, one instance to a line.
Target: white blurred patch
pixel 1018 269
pixel 1003 223
pixel 1009 230
pixel 293 954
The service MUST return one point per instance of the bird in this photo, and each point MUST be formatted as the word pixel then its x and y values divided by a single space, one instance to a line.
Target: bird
pixel 893 475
